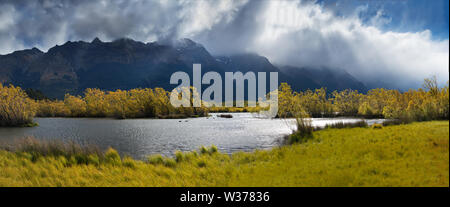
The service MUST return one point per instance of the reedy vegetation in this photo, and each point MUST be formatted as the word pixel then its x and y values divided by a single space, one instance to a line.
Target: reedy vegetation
pixel 403 155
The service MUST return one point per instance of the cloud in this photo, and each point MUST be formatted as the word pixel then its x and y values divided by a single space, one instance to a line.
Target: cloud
pixel 299 33
pixel 46 23
pixel 8 41
pixel 307 35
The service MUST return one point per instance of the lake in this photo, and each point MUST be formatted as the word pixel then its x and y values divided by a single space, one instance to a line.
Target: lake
pixel 141 137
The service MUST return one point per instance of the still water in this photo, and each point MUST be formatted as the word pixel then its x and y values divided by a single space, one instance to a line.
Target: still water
pixel 141 137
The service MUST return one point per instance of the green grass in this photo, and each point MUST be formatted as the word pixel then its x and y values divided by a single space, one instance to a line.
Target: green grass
pixel 415 154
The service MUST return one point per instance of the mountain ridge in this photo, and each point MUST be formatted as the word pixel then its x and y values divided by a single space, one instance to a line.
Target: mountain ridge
pixel 125 64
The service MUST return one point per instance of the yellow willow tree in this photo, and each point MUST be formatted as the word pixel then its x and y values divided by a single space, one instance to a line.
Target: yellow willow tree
pixel 316 102
pixel 347 102
pixel 144 99
pixel 76 105
pixel 96 105
pixel 123 104
pixel 48 108
pixel 16 109
pixel 162 103
pixel 444 103
pixel 286 101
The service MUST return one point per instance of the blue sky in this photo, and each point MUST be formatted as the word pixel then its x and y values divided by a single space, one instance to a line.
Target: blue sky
pixel 404 15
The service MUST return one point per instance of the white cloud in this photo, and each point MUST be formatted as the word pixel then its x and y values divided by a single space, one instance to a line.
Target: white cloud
pixel 8 42
pixel 304 34
pixel 287 32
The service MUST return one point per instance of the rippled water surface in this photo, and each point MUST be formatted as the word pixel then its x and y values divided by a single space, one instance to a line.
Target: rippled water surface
pixel 141 137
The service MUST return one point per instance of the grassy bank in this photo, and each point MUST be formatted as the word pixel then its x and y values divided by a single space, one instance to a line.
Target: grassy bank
pixel 416 154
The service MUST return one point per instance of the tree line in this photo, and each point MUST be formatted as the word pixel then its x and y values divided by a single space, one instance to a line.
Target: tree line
pixel 122 104
pixel 427 103
pixel 17 109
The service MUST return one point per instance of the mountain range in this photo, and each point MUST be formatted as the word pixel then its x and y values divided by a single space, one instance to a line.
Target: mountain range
pixel 126 64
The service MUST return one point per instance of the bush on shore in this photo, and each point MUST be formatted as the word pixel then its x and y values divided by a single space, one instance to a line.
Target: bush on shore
pixel 16 109
pixel 303 133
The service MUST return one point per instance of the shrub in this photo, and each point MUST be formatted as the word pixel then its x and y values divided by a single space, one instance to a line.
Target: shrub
pixel 155 159
pixel 16 109
pixel 129 162
pixel 93 159
pixel 201 163
pixel 303 133
pixel 179 156
pixel 203 150
pixel 112 156
pixel 213 149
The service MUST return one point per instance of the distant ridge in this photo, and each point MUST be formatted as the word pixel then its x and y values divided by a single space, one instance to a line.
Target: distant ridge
pixel 126 63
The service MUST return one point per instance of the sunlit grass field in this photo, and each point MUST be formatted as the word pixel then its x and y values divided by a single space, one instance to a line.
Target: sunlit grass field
pixel 415 154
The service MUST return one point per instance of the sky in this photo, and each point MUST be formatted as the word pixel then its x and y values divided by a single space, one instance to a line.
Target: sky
pixel 393 44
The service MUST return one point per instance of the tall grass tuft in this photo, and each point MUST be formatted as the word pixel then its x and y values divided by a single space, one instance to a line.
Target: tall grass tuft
pixel 112 156
pixel 160 160
pixel 80 154
pixel 341 125
pixel 303 133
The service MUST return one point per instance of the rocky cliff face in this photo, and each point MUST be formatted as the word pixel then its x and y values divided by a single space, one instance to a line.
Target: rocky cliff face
pixel 126 64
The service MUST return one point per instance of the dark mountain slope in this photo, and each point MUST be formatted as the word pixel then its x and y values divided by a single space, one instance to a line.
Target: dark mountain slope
pixel 324 77
pixel 14 65
pixel 126 64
